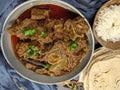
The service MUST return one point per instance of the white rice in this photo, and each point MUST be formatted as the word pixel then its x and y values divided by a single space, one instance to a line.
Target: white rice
pixel 108 25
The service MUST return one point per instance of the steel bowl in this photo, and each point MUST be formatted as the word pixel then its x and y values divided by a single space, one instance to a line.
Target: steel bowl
pixel 11 58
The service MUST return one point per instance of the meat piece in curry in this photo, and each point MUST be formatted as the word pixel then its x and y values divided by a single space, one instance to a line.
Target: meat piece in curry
pixel 50 46
pixel 38 14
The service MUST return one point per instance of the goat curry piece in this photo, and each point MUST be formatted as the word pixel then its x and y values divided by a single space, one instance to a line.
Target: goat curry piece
pixel 48 41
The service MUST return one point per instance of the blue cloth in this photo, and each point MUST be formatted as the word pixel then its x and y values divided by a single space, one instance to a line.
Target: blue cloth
pixel 9 79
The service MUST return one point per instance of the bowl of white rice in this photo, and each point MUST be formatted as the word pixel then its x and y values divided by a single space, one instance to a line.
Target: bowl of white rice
pixel 106 26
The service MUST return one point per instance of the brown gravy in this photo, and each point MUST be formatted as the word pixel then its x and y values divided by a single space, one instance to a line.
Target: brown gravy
pixel 54 13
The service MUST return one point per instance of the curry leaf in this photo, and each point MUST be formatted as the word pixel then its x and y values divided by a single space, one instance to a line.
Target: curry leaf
pixel 28 32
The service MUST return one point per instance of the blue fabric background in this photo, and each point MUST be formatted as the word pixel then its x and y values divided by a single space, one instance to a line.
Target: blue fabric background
pixel 9 79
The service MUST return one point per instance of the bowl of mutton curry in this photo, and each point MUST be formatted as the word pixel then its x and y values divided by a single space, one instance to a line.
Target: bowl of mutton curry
pixel 47 41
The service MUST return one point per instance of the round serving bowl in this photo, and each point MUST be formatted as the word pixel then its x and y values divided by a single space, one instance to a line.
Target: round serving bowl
pixel 102 71
pixel 109 44
pixel 18 66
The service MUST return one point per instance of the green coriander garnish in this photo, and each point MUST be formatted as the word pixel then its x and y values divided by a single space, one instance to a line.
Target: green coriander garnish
pixel 31 51
pixel 28 32
pixel 68 38
pixel 43 33
pixel 47 66
pixel 73 46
